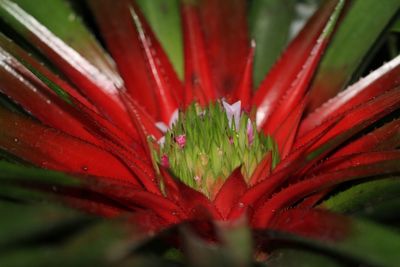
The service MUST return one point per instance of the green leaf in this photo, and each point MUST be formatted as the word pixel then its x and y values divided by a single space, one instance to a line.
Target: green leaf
pixel 351 46
pixel 25 222
pixel 102 244
pixel 148 261
pixel 351 238
pixel 15 172
pixel 17 193
pixel 300 258
pixel 396 26
pixel 237 242
pixel 10 158
pixel 6 102
pixel 235 248
pixel 373 199
pixel 61 20
pixel 165 21
pixel 14 179
pixel 269 23
pixel 375 244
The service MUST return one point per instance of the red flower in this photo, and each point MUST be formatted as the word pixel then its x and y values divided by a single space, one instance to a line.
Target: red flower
pixel 101 129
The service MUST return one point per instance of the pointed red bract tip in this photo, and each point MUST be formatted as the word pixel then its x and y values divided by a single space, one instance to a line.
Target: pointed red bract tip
pixel 161 86
pixel 198 81
pixel 285 72
pixel 245 88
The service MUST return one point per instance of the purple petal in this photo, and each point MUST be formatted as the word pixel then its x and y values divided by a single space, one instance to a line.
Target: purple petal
pixel 233 111
pixel 165 161
pixel 181 140
pixel 250 132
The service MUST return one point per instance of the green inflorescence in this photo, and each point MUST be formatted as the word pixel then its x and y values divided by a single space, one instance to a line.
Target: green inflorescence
pixel 202 149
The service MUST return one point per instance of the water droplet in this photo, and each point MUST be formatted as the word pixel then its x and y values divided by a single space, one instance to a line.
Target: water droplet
pixel 241 205
pixel 85 168
pixel 48 101
pixel 16 140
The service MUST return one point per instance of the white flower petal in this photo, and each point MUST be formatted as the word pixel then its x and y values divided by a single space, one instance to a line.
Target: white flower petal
pixel 233 112
pixel 162 126
pixel 174 118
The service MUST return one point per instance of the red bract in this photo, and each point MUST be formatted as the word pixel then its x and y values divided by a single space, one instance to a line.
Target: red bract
pixel 98 127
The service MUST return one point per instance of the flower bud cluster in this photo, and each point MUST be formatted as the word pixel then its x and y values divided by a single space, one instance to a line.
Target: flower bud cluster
pixel 205 145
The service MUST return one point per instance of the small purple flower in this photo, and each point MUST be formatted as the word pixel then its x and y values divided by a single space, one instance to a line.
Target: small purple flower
pixel 231 140
pixel 250 132
pixel 165 161
pixel 181 140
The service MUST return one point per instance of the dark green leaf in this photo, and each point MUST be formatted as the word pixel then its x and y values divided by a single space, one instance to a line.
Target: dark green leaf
pixel 354 239
pixel 14 172
pixel 235 248
pixel 351 45
pixel 269 22
pixel 98 245
pixel 61 20
pixel 378 198
pixel 300 258
pixel 396 26
pixel 24 222
pixel 164 18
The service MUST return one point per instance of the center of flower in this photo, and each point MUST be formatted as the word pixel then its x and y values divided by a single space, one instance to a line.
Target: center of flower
pixel 205 145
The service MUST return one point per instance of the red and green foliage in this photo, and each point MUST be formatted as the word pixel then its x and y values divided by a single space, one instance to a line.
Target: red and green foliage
pixel 89 89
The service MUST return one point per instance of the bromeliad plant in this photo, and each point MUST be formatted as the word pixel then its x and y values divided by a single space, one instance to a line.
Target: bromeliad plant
pixel 122 136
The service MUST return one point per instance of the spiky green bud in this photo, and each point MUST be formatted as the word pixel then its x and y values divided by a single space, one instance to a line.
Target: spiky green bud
pixel 204 146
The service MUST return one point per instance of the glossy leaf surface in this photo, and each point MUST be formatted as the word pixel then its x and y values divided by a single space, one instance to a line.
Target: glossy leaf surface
pixel 341 60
